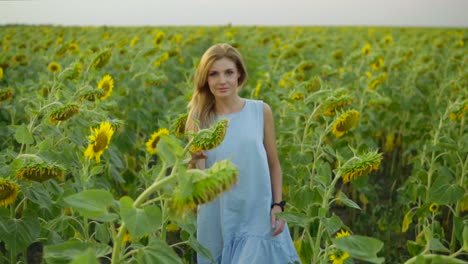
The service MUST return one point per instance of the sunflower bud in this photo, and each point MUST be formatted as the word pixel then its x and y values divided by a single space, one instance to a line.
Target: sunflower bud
pixel 40 172
pixel 64 113
pixel 334 104
pixel 345 122
pixel 459 111
pixel 210 138
pixel 6 94
pixel 102 59
pixel 207 185
pixel 8 193
pixel 361 166
pixel 92 94
pixel 178 128
pixel 74 73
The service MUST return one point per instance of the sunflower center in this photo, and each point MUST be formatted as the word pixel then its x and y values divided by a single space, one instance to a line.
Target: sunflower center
pixel 105 86
pixel 5 191
pixel 155 142
pixel 101 142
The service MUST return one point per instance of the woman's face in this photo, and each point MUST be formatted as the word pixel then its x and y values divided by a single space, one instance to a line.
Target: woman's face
pixel 223 78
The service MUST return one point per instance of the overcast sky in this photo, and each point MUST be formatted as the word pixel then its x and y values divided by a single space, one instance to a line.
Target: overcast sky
pixel 431 13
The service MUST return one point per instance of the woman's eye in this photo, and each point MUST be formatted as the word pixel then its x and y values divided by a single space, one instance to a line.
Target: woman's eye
pixel 212 74
pixel 229 72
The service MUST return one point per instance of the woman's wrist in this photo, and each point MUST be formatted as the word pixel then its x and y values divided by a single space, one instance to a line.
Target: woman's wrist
pixel 280 204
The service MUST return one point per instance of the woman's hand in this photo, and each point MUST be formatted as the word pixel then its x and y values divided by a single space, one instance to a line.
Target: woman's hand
pixel 276 223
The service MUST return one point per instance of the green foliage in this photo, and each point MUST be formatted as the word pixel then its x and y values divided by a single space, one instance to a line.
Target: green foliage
pixel 412 109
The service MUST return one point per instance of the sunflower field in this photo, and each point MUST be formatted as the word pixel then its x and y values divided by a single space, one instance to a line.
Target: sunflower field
pixel 371 129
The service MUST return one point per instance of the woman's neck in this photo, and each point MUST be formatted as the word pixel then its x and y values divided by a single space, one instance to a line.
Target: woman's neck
pixel 229 105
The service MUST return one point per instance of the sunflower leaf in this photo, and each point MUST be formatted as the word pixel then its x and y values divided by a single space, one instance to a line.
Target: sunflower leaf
pixel 360 247
pixel 23 135
pixel 91 203
pixel 65 252
pixel 157 251
pixel 348 202
pixel 140 222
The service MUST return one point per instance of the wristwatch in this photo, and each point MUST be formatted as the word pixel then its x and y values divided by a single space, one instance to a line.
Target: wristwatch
pixel 280 204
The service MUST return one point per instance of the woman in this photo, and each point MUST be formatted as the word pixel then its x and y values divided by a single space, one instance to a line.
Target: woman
pixel 240 226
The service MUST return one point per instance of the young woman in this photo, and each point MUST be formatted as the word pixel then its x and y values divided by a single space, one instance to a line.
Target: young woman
pixel 240 226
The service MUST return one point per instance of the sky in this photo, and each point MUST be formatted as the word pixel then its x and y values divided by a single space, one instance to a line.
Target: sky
pixel 415 13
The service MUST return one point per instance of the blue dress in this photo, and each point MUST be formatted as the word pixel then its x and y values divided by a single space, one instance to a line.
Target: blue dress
pixel 236 227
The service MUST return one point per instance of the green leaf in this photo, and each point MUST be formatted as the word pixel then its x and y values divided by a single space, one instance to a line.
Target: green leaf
pixel 446 194
pixel 465 238
pixel 324 175
pixel 139 222
pixel 348 202
pixel 169 149
pixel 91 203
pixel 332 224
pixel 102 233
pixel 434 244
pixel 407 220
pixel 360 247
pixel 18 234
pixel 157 251
pixel 295 218
pixel 193 242
pixel 37 194
pixel 23 136
pixel 65 252
pixel 414 248
pixel 88 257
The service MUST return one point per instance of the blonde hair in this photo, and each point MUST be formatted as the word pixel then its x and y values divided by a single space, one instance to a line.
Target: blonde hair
pixel 201 106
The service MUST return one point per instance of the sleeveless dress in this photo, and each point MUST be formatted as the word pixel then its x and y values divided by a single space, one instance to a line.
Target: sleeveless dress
pixel 236 227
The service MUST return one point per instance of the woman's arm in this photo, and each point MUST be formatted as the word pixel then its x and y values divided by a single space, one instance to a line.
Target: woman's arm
pixel 276 176
pixel 272 154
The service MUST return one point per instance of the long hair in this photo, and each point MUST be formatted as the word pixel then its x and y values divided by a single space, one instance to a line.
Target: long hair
pixel 201 106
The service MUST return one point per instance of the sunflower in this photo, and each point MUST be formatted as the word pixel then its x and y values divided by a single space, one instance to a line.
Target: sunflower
pixel 6 94
pixel 206 186
pixel 106 84
pixel 134 41
pixel 8 193
pixel 102 59
pixel 99 141
pixel 338 256
pixel 153 141
pixel 73 48
pixel 342 233
pixel 75 72
pixel 1 73
pixel 209 138
pixel 298 96
pixel 179 125
pixel 460 111
pixel 434 208
pixel 377 64
pixel 257 89
pixel 360 166
pixel 332 105
pixel 366 49
pixel 164 57
pixel 40 172
pixel 388 40
pixel 54 67
pixel 345 122
pixel 63 113
pixel 159 38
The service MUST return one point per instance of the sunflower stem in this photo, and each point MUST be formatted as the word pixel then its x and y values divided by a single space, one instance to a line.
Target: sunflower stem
pixel 118 244
pixel 316 250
